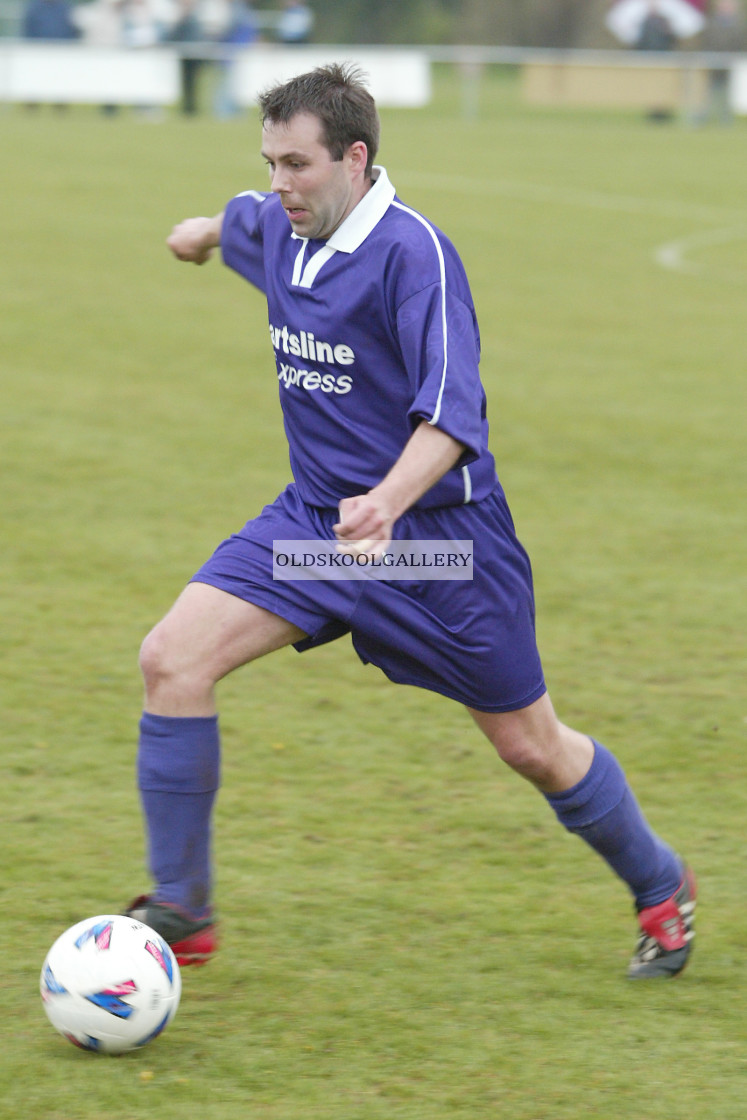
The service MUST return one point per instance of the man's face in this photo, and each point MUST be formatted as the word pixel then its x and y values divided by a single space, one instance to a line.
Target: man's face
pixel 317 192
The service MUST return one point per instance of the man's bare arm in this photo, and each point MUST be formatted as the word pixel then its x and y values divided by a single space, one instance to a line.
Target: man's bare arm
pixel 427 456
pixel 195 239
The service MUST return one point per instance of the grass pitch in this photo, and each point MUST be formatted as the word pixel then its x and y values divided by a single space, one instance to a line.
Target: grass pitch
pixel 406 931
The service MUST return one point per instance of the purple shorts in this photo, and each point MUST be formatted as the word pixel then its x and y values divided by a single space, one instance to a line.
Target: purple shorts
pixel 470 640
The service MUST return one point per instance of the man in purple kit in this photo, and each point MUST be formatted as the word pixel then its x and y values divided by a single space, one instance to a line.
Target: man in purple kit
pixel 377 350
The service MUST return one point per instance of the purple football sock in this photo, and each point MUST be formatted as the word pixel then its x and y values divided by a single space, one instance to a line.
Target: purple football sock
pixel 178 770
pixel 602 809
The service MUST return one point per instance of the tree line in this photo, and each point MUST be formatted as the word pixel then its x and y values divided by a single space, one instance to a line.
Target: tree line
pixel 525 23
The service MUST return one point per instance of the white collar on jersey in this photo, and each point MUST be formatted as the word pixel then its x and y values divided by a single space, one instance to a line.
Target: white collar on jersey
pixel 351 234
pixel 367 214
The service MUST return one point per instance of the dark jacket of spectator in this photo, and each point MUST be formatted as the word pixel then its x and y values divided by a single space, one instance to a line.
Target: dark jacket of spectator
pixel 49 19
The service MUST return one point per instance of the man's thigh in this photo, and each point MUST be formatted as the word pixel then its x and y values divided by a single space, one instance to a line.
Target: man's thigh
pixel 217 632
pixel 243 566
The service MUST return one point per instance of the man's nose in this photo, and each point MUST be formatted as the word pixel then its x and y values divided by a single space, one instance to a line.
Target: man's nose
pixel 279 180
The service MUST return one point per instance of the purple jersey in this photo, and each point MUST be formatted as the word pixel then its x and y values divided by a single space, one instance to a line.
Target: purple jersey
pixel 374 330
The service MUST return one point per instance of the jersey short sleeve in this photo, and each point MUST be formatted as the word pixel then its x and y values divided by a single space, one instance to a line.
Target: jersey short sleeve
pixel 438 336
pixel 242 236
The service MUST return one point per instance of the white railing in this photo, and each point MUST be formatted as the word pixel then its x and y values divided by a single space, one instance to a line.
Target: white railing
pixel 400 75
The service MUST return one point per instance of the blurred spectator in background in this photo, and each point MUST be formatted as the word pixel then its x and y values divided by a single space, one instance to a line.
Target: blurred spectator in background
pixel 140 24
pixel 295 23
pixel 142 28
pixel 655 32
pixel 49 19
pixel 188 29
pixel 724 32
pixel 241 31
pixel 120 23
pixel 100 22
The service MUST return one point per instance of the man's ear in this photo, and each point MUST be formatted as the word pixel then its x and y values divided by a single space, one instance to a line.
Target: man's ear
pixel 358 155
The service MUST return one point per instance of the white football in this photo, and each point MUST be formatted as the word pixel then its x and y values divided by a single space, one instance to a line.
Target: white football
pixel 110 984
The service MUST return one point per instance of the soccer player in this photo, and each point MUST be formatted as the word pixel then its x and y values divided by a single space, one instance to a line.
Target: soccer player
pixel 376 352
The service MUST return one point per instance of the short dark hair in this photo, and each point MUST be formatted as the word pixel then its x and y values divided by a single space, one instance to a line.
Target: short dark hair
pixel 337 95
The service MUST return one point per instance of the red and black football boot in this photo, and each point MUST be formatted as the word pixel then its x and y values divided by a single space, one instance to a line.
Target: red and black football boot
pixel 666 937
pixel 193 940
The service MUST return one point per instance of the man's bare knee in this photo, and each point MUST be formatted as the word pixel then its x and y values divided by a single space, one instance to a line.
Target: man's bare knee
pixel 536 745
pixel 204 637
pixel 161 661
pixel 528 757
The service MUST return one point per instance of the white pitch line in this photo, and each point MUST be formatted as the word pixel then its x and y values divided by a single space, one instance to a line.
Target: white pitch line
pixel 541 192
pixel 673 255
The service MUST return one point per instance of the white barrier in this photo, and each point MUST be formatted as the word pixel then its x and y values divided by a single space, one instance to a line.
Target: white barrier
pixel 74 73
pixel 397 76
pixel 394 77
pixel 62 73
pixel 738 88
